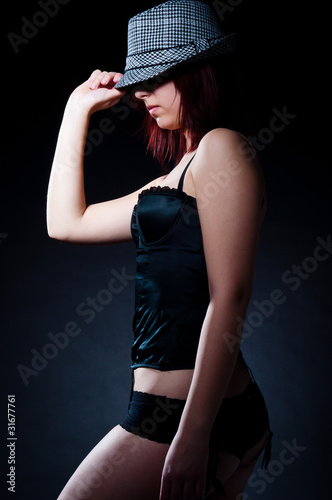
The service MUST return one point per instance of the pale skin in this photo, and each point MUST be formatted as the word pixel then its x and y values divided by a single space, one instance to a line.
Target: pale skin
pixel 129 466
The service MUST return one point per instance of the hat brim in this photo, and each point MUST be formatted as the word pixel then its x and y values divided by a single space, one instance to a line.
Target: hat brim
pixel 139 75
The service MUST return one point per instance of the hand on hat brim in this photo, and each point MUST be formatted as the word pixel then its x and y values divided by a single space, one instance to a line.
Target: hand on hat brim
pixel 98 91
pixel 104 78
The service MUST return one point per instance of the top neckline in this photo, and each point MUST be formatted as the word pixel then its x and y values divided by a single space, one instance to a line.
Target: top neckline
pixel 171 190
pixel 166 190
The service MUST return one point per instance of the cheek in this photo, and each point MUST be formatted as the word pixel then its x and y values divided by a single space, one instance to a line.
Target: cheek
pixel 173 106
pixel 169 96
pixel 169 99
pixel 175 99
pixel 176 102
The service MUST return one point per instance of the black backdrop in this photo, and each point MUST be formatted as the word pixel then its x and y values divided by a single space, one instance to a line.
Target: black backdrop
pixel 65 336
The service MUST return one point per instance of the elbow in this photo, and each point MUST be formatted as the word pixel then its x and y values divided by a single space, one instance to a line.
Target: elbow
pixel 242 297
pixel 57 233
pixel 66 233
pixel 238 297
pixel 58 229
pixel 54 235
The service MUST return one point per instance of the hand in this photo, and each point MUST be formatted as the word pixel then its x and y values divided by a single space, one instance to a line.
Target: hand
pixel 185 468
pixel 98 91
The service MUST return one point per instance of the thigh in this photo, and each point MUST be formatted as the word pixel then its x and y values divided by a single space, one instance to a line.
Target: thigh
pixel 120 467
pixel 234 474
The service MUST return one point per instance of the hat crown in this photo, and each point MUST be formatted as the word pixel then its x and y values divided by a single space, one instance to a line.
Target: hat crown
pixel 175 33
pixel 171 24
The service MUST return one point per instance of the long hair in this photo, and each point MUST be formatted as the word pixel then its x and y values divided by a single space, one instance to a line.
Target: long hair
pixel 208 100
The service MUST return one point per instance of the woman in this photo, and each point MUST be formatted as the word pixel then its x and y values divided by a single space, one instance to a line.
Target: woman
pixel 197 421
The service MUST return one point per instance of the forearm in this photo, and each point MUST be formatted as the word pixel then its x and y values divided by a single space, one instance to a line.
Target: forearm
pixel 214 366
pixel 66 203
pixel 66 198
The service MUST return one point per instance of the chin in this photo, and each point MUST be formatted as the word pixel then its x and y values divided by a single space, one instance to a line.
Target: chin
pixel 167 125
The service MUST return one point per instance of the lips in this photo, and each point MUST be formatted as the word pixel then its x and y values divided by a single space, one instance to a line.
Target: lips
pixel 152 108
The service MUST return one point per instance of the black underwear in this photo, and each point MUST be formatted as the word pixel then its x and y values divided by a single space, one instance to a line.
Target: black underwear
pixel 240 424
pixel 241 421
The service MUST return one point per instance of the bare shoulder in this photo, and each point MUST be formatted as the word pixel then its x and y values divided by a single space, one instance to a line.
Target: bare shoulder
pixel 229 151
pixel 222 135
pixel 225 158
pixel 221 143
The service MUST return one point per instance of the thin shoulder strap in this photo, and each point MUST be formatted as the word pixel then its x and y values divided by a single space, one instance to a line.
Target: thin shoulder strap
pixel 180 185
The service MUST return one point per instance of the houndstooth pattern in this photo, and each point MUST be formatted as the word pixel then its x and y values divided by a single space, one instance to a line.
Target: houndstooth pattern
pixel 173 55
pixel 177 22
pixel 171 33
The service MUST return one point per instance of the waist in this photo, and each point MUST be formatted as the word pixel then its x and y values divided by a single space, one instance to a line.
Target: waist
pixel 176 383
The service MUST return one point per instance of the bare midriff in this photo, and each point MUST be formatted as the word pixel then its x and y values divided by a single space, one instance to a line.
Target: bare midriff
pixel 176 383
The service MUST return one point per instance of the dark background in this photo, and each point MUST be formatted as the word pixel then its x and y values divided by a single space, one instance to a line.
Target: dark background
pixel 69 404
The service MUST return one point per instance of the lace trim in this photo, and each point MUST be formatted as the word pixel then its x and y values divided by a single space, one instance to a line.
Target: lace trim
pixel 167 190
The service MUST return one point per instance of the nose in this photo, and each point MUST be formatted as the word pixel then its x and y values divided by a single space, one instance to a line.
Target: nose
pixel 141 93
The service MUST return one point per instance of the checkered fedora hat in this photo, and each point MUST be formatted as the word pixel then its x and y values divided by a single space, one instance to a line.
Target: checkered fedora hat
pixel 169 35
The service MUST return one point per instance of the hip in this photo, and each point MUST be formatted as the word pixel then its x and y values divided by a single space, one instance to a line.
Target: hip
pixel 241 421
pixel 176 383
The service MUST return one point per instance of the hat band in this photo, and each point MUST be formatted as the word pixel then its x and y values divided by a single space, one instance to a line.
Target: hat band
pixel 175 54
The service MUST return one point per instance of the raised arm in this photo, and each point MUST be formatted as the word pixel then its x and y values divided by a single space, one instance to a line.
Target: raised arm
pixel 68 217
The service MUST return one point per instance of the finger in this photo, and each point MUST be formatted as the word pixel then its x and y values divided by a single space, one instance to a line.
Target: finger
pixel 104 78
pixel 200 488
pixel 111 78
pixel 97 80
pixel 107 77
pixel 176 491
pixel 94 75
pixel 117 77
pixel 165 489
pixel 189 491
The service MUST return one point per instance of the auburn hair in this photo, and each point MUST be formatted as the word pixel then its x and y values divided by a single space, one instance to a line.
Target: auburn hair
pixel 207 102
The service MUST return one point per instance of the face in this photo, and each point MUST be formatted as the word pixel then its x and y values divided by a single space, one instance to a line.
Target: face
pixel 163 104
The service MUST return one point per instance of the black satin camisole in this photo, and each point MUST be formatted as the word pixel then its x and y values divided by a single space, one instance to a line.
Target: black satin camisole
pixel 171 289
